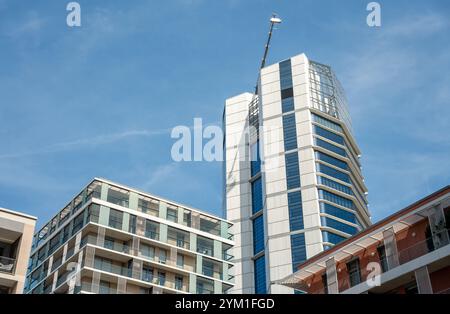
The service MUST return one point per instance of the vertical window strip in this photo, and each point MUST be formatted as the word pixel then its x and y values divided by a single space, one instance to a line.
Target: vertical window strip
pixel 260 275
pixel 257 197
pixel 289 132
pixel 292 171
pixel 258 234
pixel 295 211
pixel 298 250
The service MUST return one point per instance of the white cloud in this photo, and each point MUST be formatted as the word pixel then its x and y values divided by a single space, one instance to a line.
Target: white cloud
pixel 87 142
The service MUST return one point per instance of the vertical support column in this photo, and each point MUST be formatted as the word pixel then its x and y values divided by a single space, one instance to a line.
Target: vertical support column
pixel 126 222
pixel 95 288
pixel 137 269
pixel 180 215
pixel 55 279
pixel 163 233
pixel 224 229
pixel 192 283
pixel 121 286
pixel 225 271
pixel 217 249
pixel 173 256
pixel 390 245
pixel 77 243
pixel 217 287
pixel 64 257
pixel 193 242
pixel 162 210
pixel 104 216
pixel 104 192
pixel 89 257
pixel 332 281
pixel 436 219
pixel 196 220
pixel 135 246
pixel 50 265
pixel 423 280
pixel 140 226
pixel 199 264
pixel 101 236
pixel 133 201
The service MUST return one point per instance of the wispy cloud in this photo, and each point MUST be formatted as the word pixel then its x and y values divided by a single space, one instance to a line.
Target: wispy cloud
pixel 161 173
pixel 87 142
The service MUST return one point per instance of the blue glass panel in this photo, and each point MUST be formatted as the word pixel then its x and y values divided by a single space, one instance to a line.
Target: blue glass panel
pixel 327 123
pixel 285 74
pixel 332 237
pixel 295 210
pixel 334 185
pixel 331 223
pixel 289 132
pixel 298 250
pixel 330 147
pixel 255 159
pixel 337 212
pixel 333 172
pixel 287 104
pixel 329 135
pixel 331 197
pixel 258 234
pixel 257 198
pixel 292 171
pixel 331 160
pixel 260 275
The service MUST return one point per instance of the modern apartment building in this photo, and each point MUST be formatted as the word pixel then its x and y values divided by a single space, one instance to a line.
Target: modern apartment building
pixel 113 239
pixel 293 186
pixel 409 249
pixel 16 237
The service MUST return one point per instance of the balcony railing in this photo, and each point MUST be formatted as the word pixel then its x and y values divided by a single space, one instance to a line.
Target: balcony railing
pixel 7 264
pixel 180 242
pixel 118 201
pixel 207 250
pixel 227 257
pixel 203 290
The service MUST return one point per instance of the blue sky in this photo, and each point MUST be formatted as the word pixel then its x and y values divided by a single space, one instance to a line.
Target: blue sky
pixel 100 100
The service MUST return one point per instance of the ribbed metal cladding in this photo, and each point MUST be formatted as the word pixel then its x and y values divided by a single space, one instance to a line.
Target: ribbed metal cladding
pixel 391 248
pixel 423 280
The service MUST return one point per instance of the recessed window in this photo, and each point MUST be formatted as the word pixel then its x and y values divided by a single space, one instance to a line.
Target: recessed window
pixel 354 272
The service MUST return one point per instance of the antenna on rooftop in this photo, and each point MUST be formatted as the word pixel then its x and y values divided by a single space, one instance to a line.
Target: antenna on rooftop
pixel 273 20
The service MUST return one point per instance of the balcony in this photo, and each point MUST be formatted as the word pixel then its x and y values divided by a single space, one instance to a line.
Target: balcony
pixel 7 264
pixel 178 241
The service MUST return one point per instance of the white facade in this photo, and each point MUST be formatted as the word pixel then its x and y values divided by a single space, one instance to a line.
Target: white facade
pixel 308 89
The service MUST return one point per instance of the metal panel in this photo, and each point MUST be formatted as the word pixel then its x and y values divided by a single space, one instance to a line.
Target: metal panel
pixel 332 276
pixel 423 281
pixel 390 246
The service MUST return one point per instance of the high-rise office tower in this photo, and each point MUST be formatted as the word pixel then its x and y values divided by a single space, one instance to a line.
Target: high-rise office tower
pixel 293 177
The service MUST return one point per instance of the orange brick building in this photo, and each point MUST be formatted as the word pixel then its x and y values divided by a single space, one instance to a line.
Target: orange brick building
pixel 405 253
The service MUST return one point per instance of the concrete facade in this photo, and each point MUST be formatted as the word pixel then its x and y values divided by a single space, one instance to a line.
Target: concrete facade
pixel 16 237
